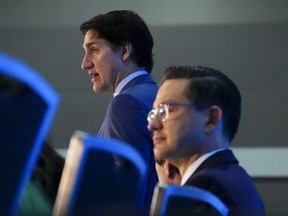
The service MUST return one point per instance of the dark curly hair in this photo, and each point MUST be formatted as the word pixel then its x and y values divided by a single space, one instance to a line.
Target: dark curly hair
pixel 120 26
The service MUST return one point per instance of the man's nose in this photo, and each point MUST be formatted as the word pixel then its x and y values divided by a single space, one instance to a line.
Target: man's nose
pixel 86 63
pixel 155 124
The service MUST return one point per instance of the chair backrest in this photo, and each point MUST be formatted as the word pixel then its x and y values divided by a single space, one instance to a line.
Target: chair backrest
pixel 27 107
pixel 100 177
pixel 185 200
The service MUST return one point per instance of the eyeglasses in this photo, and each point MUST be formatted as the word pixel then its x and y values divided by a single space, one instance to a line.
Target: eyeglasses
pixel 162 111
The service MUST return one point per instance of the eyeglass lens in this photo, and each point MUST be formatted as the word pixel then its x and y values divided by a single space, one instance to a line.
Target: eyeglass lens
pixel 162 112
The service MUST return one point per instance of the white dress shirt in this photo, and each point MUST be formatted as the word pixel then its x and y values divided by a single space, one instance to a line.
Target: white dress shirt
pixel 191 169
pixel 127 79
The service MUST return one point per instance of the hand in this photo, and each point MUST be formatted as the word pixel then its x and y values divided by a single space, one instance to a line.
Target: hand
pixel 167 173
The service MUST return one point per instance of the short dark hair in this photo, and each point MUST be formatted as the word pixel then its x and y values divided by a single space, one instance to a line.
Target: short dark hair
pixel 211 87
pixel 120 26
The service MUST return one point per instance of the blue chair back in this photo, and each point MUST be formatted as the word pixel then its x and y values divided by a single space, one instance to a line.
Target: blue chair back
pixel 27 107
pixel 101 177
pixel 171 200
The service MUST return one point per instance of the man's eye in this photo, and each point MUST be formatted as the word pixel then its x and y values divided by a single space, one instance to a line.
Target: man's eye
pixel 94 50
pixel 171 109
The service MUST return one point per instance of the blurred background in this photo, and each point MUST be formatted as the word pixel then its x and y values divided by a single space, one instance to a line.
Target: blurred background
pixel 248 40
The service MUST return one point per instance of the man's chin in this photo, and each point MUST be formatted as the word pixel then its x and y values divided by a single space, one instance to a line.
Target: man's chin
pixel 158 157
pixel 101 89
pixel 97 90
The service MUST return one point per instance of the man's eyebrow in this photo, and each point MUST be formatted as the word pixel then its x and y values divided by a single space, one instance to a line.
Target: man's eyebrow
pixel 89 44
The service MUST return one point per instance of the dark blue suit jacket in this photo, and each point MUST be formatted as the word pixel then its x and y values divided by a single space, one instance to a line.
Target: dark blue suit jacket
pixel 222 175
pixel 126 120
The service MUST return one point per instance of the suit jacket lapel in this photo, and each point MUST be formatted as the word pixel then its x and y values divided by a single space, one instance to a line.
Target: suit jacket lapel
pixel 146 78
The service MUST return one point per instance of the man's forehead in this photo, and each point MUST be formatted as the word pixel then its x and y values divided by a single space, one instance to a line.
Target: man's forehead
pixel 92 33
pixel 91 39
pixel 171 90
pixel 177 84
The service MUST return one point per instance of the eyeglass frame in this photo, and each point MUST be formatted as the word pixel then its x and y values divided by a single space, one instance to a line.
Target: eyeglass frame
pixel 156 111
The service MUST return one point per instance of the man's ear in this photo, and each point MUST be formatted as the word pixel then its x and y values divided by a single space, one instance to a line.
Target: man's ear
pixel 214 116
pixel 126 50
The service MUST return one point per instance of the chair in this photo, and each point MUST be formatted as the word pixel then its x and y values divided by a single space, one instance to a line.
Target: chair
pixel 27 107
pixel 185 200
pixel 100 177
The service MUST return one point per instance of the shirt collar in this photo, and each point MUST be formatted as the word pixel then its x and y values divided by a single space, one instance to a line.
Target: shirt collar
pixel 123 82
pixel 191 169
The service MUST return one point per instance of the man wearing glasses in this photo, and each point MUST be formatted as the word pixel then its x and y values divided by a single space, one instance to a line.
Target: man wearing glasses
pixel 195 117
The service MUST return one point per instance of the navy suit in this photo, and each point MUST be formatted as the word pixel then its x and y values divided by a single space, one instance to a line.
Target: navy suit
pixel 222 175
pixel 126 120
